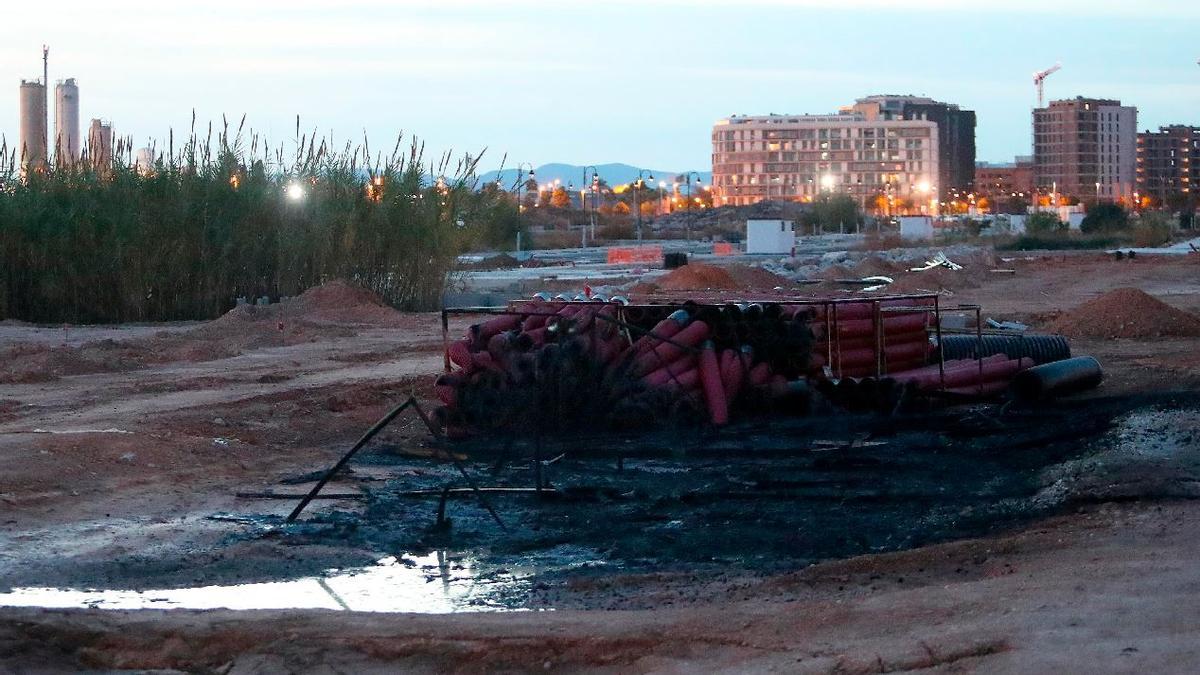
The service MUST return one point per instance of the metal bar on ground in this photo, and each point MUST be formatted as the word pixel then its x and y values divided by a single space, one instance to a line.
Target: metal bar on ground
pixel 376 428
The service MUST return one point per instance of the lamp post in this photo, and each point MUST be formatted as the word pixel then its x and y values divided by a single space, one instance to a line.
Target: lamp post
pixel 688 179
pixel 595 187
pixel 521 178
pixel 637 205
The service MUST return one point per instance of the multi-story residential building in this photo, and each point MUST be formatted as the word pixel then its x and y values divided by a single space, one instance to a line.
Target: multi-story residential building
pixel 887 165
pixel 1004 180
pixel 1168 162
pixel 1086 148
pixel 956 133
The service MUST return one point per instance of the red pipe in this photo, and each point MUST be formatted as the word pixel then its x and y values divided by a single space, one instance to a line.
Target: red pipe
pixel 760 374
pixel 989 388
pixel 460 353
pixel 666 352
pixel 607 328
pixel 969 374
pixel 538 335
pixel 484 361
pixel 714 390
pixel 541 310
pixel 778 386
pixel 685 381
pixel 891 354
pixel 868 341
pixel 499 346
pixel 664 375
pixel 497 325
pixel 952 364
pixel 608 349
pixel 732 374
pixel 446 388
pixel 868 370
pixel 854 328
pixel 667 328
pixel 866 309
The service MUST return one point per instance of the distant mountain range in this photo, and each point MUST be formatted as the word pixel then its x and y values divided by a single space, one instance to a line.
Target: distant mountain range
pixel 613 174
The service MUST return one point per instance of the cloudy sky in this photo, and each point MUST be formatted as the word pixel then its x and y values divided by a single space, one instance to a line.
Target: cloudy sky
pixel 601 81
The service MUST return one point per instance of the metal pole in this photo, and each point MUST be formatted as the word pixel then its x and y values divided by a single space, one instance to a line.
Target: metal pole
pixel 638 207
pixel 688 225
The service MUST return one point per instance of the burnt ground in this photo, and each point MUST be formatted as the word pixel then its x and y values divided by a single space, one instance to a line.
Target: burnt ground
pixel 1063 537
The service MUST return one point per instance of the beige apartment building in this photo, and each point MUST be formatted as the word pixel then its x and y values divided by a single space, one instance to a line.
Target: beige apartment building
pixel 886 165
pixel 1086 148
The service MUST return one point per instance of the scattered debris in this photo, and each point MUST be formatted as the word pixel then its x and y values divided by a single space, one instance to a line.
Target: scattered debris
pixel 939 260
pixel 1007 325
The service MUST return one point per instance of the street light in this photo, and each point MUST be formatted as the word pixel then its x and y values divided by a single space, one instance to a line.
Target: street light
pixel 637 205
pixel 688 179
pixel 595 187
pixel 521 180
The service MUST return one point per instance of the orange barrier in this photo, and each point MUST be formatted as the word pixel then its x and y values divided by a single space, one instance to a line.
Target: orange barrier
pixel 619 255
pixel 722 248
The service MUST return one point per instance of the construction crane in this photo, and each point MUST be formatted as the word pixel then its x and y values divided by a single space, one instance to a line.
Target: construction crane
pixel 1039 80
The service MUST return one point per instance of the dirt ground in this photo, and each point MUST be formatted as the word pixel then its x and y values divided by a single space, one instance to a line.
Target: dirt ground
pixel 120 443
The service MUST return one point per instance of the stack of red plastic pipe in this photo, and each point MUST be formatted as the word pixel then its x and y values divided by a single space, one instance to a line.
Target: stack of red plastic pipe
pixel 677 356
pixel 852 343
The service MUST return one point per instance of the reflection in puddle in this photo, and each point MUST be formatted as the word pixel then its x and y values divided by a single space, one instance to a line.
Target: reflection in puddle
pixel 434 584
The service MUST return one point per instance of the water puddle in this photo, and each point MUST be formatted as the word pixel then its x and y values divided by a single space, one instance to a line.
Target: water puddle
pixel 438 583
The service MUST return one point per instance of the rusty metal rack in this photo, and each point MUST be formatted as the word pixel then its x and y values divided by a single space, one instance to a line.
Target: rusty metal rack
pixel 881 305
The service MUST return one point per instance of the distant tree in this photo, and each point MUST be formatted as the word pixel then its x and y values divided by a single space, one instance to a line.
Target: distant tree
pixel 832 213
pixel 1013 205
pixel 1105 217
pixel 497 224
pixel 559 199
pixel 1152 228
pixel 1044 223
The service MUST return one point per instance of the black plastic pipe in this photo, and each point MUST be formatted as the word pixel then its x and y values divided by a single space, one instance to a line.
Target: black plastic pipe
pixel 1040 348
pixel 1061 378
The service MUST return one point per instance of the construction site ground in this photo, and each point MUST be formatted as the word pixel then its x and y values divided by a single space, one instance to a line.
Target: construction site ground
pixel 125 449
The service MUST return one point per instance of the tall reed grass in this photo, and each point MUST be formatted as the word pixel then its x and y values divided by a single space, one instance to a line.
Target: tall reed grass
pixel 226 214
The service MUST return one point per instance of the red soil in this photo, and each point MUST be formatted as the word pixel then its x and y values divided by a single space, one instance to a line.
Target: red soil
pixel 1127 313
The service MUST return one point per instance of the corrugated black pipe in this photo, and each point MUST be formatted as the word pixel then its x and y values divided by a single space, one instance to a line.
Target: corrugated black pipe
pixel 1060 378
pixel 1040 348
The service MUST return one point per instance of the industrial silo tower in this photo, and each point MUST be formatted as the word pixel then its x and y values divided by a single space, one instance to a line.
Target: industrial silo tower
pixel 66 122
pixel 32 152
pixel 99 145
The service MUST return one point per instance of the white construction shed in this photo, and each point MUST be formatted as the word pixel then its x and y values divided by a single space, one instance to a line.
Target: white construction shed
pixel 770 236
pixel 916 227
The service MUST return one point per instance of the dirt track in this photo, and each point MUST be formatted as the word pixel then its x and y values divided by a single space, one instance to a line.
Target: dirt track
pixel 1112 586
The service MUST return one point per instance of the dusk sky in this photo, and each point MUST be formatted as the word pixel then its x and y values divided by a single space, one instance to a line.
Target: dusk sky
pixel 613 81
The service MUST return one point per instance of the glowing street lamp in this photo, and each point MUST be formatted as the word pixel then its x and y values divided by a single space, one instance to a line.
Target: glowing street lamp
pixel 688 178
pixel 637 204
pixel 521 183
pixel 595 188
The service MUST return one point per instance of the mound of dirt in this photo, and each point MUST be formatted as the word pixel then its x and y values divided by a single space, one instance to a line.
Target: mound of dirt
pixel 696 277
pixel 872 266
pixel 335 309
pixel 836 272
pixel 757 278
pixel 30 363
pixel 1127 313
pixel 342 303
